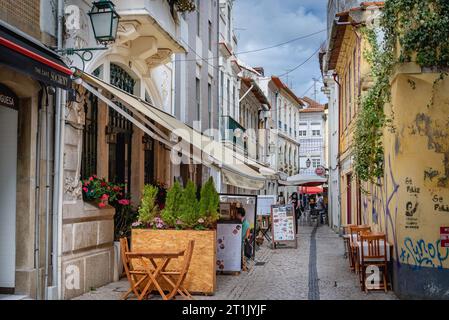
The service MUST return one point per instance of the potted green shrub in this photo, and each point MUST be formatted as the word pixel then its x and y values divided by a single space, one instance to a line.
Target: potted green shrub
pixel 183 218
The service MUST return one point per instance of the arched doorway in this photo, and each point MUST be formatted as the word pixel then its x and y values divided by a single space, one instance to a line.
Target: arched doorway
pixel 119 131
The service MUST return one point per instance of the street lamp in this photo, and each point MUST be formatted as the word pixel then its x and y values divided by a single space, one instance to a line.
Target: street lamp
pixel 308 163
pixel 104 21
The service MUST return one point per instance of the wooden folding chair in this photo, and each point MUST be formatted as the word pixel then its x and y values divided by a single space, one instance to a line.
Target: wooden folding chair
pixel 375 254
pixel 132 274
pixel 176 278
pixel 346 235
pixel 354 237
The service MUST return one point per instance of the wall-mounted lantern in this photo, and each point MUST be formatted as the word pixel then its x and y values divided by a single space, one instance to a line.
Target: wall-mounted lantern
pixel 308 163
pixel 104 21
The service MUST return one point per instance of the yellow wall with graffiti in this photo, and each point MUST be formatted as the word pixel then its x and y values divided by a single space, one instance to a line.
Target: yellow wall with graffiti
pixel 413 201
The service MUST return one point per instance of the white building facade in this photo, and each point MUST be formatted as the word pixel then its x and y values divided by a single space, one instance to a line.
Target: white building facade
pixel 196 81
pixel 283 144
pixel 331 90
pixel 312 137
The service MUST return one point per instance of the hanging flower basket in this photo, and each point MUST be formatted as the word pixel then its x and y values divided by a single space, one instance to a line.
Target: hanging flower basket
pixel 183 5
pixel 100 193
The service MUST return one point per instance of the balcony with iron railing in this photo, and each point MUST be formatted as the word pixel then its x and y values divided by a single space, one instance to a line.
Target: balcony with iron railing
pixel 233 133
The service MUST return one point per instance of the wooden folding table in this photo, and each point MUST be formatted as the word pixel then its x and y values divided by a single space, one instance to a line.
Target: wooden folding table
pixel 154 267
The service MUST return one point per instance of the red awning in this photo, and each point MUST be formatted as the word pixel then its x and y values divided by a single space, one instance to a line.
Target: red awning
pixel 24 54
pixel 311 190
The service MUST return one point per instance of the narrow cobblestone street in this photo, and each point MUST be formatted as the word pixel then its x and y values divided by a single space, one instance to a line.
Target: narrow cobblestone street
pixel 316 270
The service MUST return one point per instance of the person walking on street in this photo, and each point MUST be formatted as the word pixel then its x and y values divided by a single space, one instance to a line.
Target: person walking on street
pixel 296 208
pixel 281 198
pixel 247 242
pixel 320 207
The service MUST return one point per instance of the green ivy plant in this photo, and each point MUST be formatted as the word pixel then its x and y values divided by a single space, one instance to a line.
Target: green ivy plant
pixel 371 120
pixel 420 30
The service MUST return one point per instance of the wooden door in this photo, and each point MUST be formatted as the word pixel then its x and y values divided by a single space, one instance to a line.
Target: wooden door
pixel 349 198
pixel 8 178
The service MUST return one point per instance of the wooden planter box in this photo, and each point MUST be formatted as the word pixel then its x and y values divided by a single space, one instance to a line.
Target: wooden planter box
pixel 201 278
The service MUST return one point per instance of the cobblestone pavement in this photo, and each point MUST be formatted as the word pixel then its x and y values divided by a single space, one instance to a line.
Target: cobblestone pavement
pixel 310 272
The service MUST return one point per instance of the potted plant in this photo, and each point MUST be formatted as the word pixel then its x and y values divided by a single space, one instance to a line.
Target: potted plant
pixel 183 218
pixel 107 195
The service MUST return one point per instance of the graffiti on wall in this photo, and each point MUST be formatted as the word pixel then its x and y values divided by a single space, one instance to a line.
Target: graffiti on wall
pixel 391 207
pixel 439 205
pixel 384 205
pixel 430 174
pixel 375 203
pixel 411 206
pixel 422 254
pixel 437 140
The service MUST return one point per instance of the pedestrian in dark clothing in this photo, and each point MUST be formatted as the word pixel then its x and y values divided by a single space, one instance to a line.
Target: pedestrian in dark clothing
pixel 296 207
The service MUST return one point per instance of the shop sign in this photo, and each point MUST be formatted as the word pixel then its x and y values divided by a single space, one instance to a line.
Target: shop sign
pixel 8 98
pixel 444 233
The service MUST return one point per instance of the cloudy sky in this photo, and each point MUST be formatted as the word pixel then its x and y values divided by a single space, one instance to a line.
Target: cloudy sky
pixel 263 23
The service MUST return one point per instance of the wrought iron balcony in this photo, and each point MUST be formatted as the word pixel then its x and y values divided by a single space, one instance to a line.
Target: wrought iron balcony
pixel 233 132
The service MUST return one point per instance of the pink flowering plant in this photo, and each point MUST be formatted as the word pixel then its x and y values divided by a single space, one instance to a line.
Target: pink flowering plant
pixel 103 192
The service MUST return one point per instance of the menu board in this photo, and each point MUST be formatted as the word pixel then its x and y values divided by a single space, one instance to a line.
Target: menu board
pixel 264 204
pixel 283 228
pixel 229 246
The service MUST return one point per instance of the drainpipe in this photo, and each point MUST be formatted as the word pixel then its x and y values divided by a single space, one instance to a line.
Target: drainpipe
pixel 57 179
pixel 47 193
pixel 335 76
pixel 276 154
pixel 37 233
pixel 219 114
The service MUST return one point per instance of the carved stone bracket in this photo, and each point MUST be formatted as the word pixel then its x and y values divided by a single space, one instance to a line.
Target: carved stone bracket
pixel 75 109
pixel 72 187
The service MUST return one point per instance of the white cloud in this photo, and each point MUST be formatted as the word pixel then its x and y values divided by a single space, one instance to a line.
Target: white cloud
pixel 262 23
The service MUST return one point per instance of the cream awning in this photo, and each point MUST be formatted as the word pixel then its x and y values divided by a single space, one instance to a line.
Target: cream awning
pixel 240 181
pixel 303 180
pixel 263 170
pixel 205 149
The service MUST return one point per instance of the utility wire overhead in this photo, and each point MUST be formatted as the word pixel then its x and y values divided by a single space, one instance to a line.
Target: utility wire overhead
pixel 260 49
pixel 300 65
pixel 281 44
